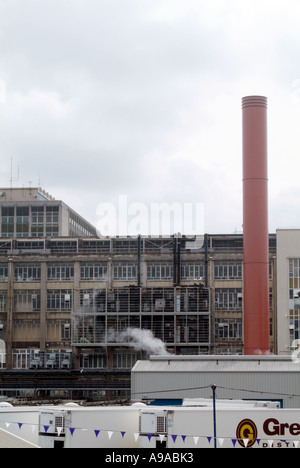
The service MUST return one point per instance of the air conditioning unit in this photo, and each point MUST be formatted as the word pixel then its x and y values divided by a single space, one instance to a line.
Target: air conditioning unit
pixel 160 304
pixel 153 423
pixel 86 300
pixel 296 293
pixel 52 423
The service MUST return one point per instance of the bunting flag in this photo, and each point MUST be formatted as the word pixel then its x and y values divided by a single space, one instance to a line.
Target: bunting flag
pixel 162 437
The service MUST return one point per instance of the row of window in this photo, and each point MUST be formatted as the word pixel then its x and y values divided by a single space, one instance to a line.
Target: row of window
pixel 16 221
pixel 31 359
pixel 125 271
pixel 122 300
pixel 125 301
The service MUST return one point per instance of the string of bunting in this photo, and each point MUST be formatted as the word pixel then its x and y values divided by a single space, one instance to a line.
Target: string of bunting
pixel 175 437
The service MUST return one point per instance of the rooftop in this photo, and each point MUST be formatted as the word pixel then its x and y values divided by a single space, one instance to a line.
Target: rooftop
pixel 204 363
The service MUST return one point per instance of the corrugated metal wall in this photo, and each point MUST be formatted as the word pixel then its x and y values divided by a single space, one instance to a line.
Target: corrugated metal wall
pixel 180 381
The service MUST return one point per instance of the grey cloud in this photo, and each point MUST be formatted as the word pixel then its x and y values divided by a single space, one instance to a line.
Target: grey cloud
pixel 139 97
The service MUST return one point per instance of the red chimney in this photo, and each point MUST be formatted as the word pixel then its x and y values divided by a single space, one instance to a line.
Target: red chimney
pixel 255 226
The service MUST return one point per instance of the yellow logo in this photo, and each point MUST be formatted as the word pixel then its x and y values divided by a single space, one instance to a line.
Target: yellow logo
pixel 246 431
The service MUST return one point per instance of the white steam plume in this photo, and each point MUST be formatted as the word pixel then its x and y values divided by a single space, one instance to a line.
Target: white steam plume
pixel 138 338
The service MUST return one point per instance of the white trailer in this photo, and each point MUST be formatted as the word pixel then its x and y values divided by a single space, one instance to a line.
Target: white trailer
pixel 89 427
pixel 193 427
pixel 21 421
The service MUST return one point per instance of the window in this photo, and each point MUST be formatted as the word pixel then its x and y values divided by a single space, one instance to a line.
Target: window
pixel 125 271
pixel 3 272
pixel 227 270
pixel 63 247
pixel 60 272
pixel 93 300
pixel 192 270
pixel 125 360
pixel 93 359
pixel 27 272
pixel 7 221
pixel 37 221
pixel 27 301
pixel 159 271
pixel 230 298
pixel 294 325
pixel 294 273
pixel 22 226
pixel 3 301
pixel 66 331
pixel 52 220
pixel 98 246
pixel 125 246
pixel 229 329
pixel 93 272
pixel 59 300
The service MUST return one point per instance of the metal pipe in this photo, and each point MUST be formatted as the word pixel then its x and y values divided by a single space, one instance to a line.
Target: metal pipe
pixel 213 387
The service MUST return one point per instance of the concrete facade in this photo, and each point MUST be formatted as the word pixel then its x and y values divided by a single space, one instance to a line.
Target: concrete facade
pixel 288 289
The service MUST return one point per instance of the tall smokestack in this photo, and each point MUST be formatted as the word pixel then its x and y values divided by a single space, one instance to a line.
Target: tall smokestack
pixel 255 226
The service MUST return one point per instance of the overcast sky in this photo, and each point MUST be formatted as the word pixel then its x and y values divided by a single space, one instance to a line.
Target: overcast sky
pixel 102 98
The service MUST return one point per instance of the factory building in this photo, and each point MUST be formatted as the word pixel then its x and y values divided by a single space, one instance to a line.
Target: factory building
pixel 79 302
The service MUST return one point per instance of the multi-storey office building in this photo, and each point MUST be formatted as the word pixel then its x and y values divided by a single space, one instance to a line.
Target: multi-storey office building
pixel 32 212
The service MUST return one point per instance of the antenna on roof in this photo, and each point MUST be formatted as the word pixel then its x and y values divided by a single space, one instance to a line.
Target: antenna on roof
pixel 11 173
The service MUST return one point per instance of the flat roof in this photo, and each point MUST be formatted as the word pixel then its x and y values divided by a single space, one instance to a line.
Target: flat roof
pixel 202 364
pixel 216 357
